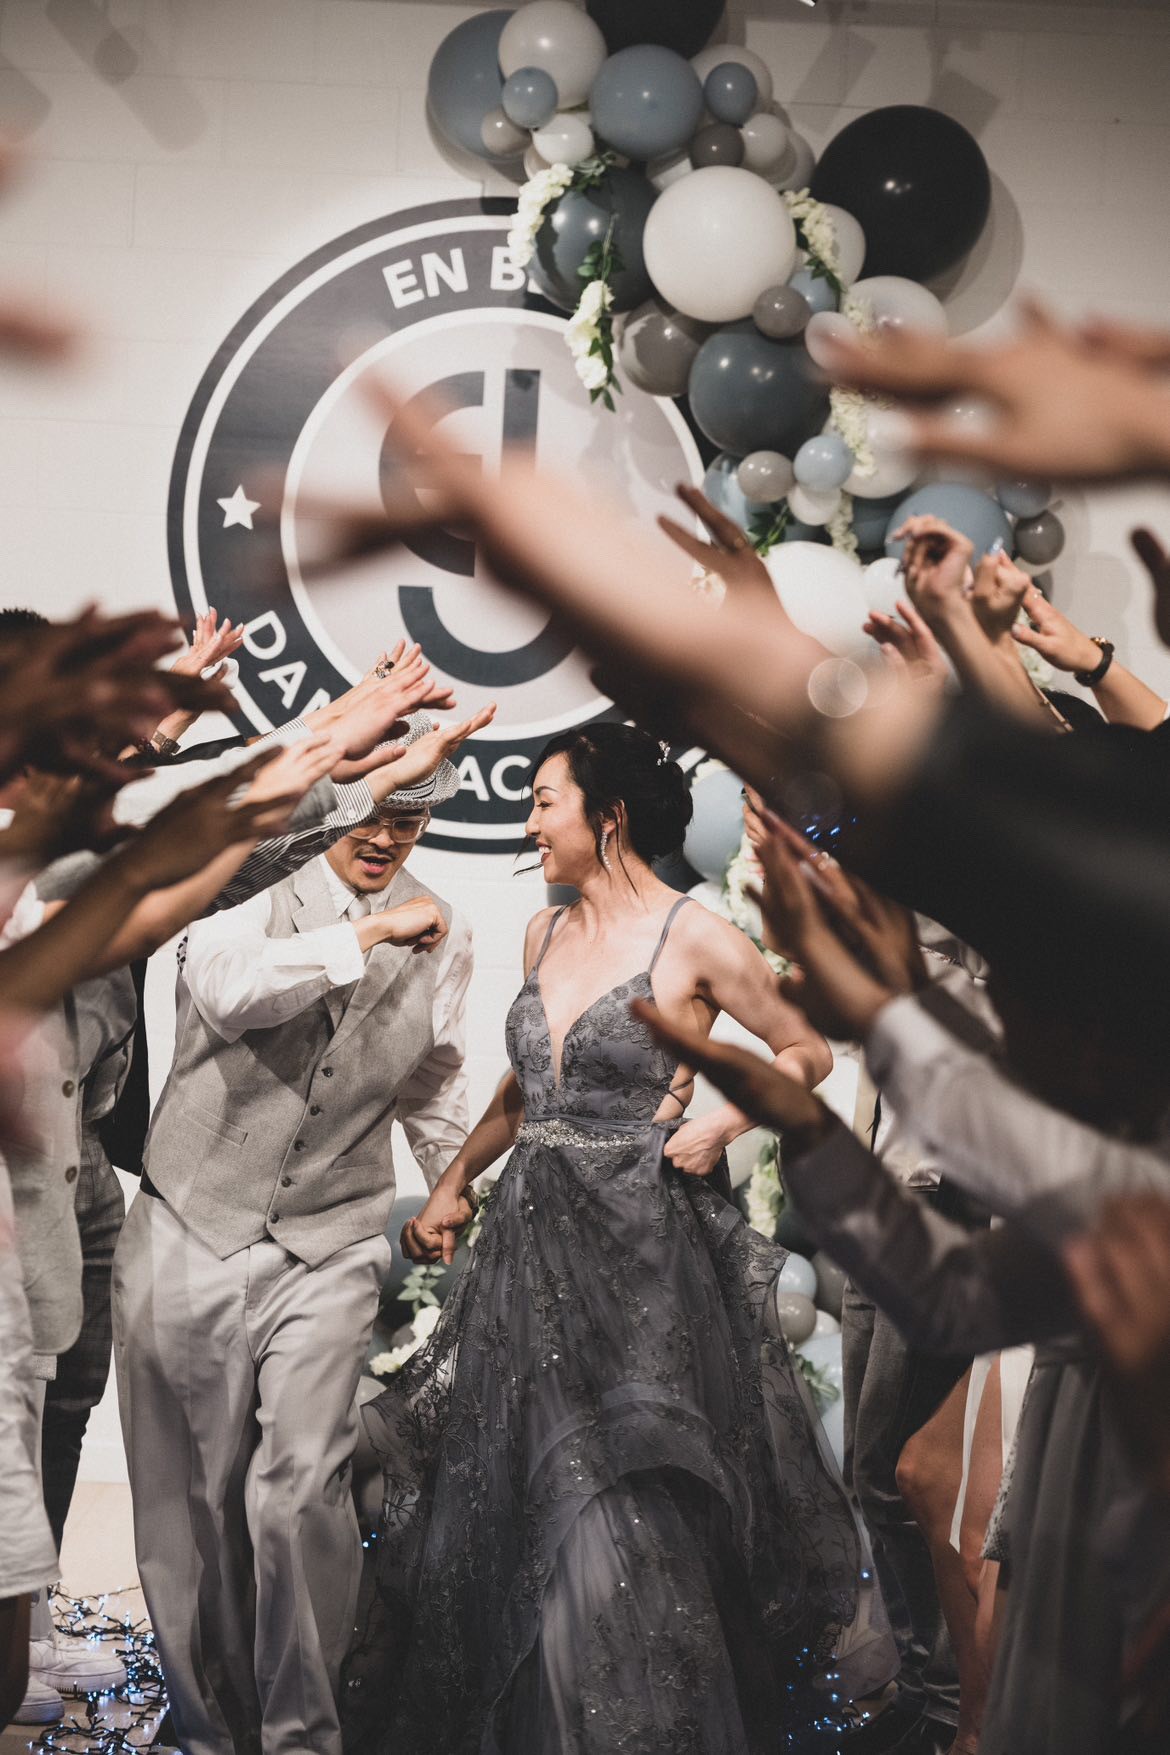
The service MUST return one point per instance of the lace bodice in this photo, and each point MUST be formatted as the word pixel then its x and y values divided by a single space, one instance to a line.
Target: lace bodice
pixel 612 1069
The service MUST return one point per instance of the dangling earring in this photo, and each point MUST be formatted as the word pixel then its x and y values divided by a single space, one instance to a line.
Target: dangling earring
pixel 601 853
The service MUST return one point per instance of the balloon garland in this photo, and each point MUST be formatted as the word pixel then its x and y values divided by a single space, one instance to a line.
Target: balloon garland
pixel 701 253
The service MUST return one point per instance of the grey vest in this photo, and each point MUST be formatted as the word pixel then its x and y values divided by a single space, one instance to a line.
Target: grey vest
pixel 285 1133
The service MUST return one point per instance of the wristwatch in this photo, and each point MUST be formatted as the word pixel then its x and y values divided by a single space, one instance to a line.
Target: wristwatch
pixel 1089 679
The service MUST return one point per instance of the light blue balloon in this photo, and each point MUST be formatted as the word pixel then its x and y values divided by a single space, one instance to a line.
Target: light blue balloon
pixel 799 1275
pixel 824 461
pixel 721 486
pixel 1024 499
pixel 645 101
pixel 529 97
pixel 823 1352
pixel 968 510
pixel 714 835
pixel 731 92
pixel 816 289
pixel 465 81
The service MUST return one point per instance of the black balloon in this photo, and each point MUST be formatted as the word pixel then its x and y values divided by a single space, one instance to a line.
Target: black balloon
pixel 581 218
pixel 917 184
pixel 684 25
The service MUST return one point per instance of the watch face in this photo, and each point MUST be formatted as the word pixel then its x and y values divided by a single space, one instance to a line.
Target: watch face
pixel 429 301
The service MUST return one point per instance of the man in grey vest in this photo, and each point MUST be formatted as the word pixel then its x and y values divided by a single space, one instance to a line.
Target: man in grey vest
pixel 246 1278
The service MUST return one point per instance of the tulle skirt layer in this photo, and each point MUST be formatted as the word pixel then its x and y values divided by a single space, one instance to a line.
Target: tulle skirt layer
pixel 608 1523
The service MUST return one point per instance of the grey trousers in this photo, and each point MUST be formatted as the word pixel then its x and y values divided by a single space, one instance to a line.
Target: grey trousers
pixel 237 1383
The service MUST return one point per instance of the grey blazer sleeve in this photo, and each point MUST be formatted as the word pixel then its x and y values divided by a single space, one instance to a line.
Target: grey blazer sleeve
pixel 948 1290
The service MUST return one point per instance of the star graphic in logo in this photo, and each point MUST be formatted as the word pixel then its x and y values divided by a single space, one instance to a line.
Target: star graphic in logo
pixel 238 509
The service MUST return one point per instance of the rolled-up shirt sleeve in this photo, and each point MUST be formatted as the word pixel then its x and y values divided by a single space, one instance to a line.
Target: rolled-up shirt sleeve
pixel 432 1102
pixel 994 1139
pixel 241 979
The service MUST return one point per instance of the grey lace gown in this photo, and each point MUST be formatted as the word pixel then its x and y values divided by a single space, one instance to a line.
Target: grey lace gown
pixel 607 1525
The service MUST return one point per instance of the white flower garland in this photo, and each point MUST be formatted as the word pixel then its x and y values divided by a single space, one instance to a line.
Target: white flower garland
pixel 584 333
pixel 538 193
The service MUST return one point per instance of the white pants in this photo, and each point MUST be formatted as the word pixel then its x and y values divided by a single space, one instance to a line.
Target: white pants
pixel 237 1382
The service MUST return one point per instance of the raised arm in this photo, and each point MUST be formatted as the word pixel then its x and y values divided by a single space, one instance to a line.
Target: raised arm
pixel 1122 697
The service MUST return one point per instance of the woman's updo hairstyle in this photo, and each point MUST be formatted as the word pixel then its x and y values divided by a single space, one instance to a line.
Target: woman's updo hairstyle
pixel 623 773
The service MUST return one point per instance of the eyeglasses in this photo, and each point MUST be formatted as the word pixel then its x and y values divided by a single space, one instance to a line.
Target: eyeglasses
pixel 404 831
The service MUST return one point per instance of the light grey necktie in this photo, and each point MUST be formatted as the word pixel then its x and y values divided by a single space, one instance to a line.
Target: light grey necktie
pixel 358 908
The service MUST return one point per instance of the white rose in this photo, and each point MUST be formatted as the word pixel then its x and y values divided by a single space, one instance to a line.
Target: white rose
pixel 425 1319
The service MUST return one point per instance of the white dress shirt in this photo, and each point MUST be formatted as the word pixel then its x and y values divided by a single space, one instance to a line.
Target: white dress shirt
pixel 241 979
pixel 993 1138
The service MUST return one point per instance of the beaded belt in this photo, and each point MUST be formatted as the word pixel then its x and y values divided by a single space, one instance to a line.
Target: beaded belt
pixel 556 1131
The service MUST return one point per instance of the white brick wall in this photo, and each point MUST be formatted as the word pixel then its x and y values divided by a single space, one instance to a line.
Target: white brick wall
pixel 184 152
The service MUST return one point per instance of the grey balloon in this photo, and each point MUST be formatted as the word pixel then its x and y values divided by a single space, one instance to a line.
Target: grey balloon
pixel 824 461
pixel 781 312
pixel 529 97
pixel 717 144
pixel 816 290
pixel 796 1314
pixel 657 347
pixel 1039 540
pixel 1023 498
pixel 465 81
pixel 748 393
pixel 645 101
pixel 764 477
pixel 830 1284
pixel 731 92
pixel 502 138
pixel 580 219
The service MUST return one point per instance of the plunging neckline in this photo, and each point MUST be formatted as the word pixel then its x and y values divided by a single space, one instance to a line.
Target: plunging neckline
pixel 559 1061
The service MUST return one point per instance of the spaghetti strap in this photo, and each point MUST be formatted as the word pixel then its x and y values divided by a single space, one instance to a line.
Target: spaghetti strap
pixel 666 926
pixel 552 926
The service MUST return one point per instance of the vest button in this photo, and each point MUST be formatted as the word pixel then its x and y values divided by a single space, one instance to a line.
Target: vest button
pixel 68 1088
pixel 275 1220
pixel 314 1108
pixel 71 1173
pixel 326 1072
pixel 298 1145
pixel 286 1182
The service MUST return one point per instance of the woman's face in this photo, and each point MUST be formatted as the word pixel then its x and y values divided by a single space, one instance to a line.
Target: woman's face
pixel 564 838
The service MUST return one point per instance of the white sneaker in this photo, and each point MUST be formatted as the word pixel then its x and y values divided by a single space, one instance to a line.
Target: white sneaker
pixel 41 1705
pixel 74 1666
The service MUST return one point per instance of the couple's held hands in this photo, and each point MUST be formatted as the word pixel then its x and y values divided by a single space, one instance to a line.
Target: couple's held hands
pixel 434 1235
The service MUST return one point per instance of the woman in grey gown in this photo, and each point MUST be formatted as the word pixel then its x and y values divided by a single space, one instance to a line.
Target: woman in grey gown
pixel 607 1522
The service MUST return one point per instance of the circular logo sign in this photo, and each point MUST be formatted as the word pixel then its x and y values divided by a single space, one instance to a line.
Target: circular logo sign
pixel 430 301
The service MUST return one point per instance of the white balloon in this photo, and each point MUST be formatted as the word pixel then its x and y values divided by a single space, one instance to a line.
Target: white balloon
pixel 902 304
pixel 823 592
pixel 743 1152
pixel 714 241
pixel 850 243
pixel 883 584
pixel 767 145
pixel 566 140
pixel 813 505
pixel 826 1324
pixel 716 54
pixel 669 167
pixel 533 162
pixel 800 176
pixel 824 328
pixel 561 40
pixel 893 473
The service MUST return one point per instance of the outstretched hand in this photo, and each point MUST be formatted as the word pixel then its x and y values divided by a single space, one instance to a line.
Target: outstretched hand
pixel 729 555
pixel 1058 405
pixel 906 641
pixel 419 760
